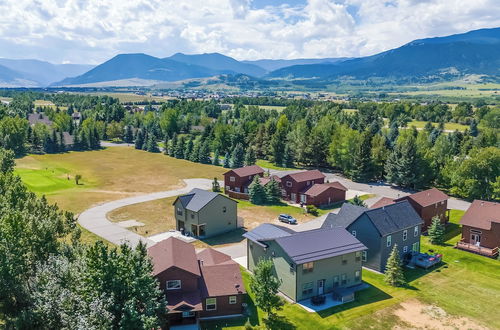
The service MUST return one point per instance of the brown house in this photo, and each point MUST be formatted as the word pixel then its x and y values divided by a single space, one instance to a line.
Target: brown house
pixel 236 181
pixel 481 228
pixel 320 194
pixel 196 285
pixel 428 204
pixel 293 185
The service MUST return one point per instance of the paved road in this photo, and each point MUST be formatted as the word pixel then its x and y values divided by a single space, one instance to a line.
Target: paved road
pixel 95 220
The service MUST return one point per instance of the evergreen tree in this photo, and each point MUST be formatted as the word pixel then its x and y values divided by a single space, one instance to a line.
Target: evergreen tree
pixel 473 131
pixel 139 139
pixel 394 274
pixel 129 134
pixel 54 142
pixel 195 153
pixel 204 153
pixel 227 160
pixel 179 148
pixel 357 201
pixel 188 148
pixel 402 164
pixel 215 185
pixel 237 156
pixel 362 165
pixel 145 139
pixel 436 231
pixel 77 144
pixel 278 141
pixel 250 157
pixel 273 192
pixel 7 162
pixel 265 285
pixel 216 159
pixel 152 145
pixel 288 156
pixel 166 140
pixel 172 146
pixel 393 133
pixel 62 144
pixel 256 192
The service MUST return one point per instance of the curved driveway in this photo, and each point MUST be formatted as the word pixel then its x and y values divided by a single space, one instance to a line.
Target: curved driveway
pixel 95 220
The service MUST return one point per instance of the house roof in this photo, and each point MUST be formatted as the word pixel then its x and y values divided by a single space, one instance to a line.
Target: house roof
pixel 481 214
pixel 307 175
pixel 68 139
pixel 266 232
pixel 34 118
pixel 318 188
pixel 348 214
pixel 174 252
pixel 384 201
pixel 266 179
pixel 427 197
pixel 246 171
pixel 184 301
pixel 319 244
pixel 197 198
pixel 210 256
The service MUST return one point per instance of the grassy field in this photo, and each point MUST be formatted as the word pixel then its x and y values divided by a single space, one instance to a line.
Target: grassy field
pixel 267 164
pixel 466 286
pixel 467 90
pixel 447 126
pixel 131 97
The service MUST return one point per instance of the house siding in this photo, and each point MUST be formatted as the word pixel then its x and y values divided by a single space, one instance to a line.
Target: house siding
pixel 296 188
pixel 489 238
pixel 223 306
pixel 240 183
pixel 329 196
pixel 189 281
pixel 428 212
pixel 397 238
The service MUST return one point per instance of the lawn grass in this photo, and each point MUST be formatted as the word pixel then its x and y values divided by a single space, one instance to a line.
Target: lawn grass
pixel 268 165
pixel 465 285
pixel 447 126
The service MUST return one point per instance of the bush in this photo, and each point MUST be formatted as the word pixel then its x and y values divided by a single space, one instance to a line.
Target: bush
pixel 311 209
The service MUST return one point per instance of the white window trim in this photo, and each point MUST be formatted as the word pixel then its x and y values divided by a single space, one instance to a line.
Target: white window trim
pixel 232 179
pixel 405 235
pixel 207 304
pixel 389 241
pixel 415 231
pixel 289 183
pixel 177 281
pixel 233 300
pixel 354 233
pixel 405 248
pixel 364 255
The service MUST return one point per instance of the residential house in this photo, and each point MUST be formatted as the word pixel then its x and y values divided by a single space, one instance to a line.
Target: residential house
pixel 380 229
pixel 35 118
pixel 309 263
pixel 236 181
pixel 428 204
pixel 202 213
pixel 196 285
pixel 293 185
pixel 481 228
pixel 321 194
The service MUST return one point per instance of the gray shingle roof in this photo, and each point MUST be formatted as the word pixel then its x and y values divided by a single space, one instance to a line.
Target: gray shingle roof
pixel 348 214
pixel 196 199
pixel 267 231
pixel 319 244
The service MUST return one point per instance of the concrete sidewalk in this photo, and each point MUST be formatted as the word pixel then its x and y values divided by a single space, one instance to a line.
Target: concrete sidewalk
pixel 95 220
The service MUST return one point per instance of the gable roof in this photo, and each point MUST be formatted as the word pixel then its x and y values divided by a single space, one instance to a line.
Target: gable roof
pixel 319 188
pixel 481 214
pixel 384 201
pixel 348 214
pixel 393 218
pixel 319 244
pixel 427 197
pixel 266 179
pixel 266 232
pixel 34 118
pixel 197 199
pixel 306 175
pixel 174 252
pixel 246 171
pixel 210 256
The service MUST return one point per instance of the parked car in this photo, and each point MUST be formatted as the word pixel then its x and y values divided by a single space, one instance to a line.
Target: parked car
pixel 287 219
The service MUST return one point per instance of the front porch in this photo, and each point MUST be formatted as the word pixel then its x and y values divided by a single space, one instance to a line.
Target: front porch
pixel 492 253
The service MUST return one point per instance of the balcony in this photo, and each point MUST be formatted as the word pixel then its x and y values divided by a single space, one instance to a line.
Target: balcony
pixel 492 253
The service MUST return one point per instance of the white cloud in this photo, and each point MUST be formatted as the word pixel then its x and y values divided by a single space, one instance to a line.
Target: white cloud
pixel 91 31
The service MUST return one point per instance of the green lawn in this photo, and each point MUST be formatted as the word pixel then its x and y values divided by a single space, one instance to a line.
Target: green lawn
pixel 268 165
pixel 465 285
pixel 447 126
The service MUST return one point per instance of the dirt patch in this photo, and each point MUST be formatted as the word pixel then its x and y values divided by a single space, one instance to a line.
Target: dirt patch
pixel 422 316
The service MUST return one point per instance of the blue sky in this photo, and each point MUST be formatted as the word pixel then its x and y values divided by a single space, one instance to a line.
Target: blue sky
pixel 92 31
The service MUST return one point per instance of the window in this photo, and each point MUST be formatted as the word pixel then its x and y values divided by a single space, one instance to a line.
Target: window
pixel 237 189
pixel 405 234
pixel 389 240
pixel 415 231
pixel 343 279
pixel 308 183
pixel 364 255
pixel 344 260
pixel 307 288
pixel 232 179
pixel 192 215
pixel 224 209
pixel 228 188
pixel 358 256
pixel 283 192
pixel 357 275
pixel 414 247
pixel 308 267
pixel 179 211
pixel 211 304
pixel 288 183
pixel 173 285
pixel 405 248
pixel 335 281
pixel 354 233
pixel 232 300
pixel 273 254
pixel 292 268
pixel 188 314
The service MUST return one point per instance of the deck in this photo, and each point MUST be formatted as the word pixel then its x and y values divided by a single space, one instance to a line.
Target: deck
pixel 492 253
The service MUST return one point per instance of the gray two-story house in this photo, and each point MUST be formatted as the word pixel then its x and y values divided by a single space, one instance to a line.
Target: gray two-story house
pixel 202 213
pixel 380 229
pixel 309 263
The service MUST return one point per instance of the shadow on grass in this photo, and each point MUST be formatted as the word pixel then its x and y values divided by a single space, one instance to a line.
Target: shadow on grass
pixel 234 236
pixel 414 274
pixel 452 230
pixel 365 297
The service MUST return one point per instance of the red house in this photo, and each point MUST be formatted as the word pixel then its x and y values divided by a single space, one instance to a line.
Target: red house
pixel 481 228
pixel 196 285
pixel 320 194
pixel 236 181
pixel 428 204
pixel 295 184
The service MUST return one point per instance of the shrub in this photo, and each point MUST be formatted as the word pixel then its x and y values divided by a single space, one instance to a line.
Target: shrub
pixel 311 209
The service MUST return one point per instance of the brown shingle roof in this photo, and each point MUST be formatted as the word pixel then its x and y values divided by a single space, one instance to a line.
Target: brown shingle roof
pixel 174 252
pixel 266 179
pixel 427 197
pixel 384 201
pixel 212 257
pixel 318 188
pixel 307 175
pixel 247 170
pixel 481 214
pixel 184 301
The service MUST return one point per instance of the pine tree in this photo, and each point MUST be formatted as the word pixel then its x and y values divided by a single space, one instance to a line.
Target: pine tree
pixel 62 144
pixel 250 157
pixel 166 140
pixel 256 192
pixel 273 192
pixel 394 274
pixel 172 146
pixel 393 133
pixel 139 139
pixel 179 148
pixel 357 201
pixel 237 156
pixel 473 131
pixel 216 159
pixel 77 144
pixel 227 160
pixel 151 145
pixel 402 164
pixel 215 185
pixel 195 153
pixel 188 148
pixel 129 134
pixel 362 165
pixel 288 156
pixel 204 153
pixel 278 141
pixel 436 231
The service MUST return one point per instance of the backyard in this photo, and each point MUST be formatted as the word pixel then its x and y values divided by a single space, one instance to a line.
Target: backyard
pixel 438 298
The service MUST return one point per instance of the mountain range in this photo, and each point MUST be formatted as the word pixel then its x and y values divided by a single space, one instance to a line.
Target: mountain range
pixel 440 58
